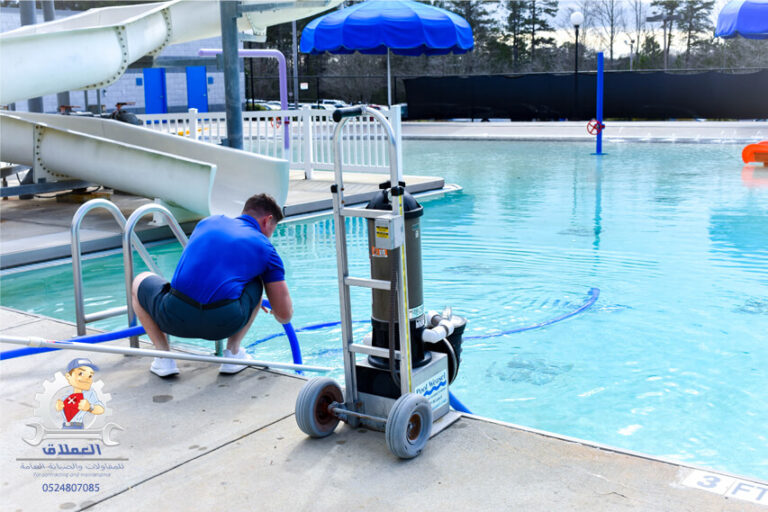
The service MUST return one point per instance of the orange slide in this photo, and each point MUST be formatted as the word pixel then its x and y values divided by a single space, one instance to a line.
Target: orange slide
pixel 756 153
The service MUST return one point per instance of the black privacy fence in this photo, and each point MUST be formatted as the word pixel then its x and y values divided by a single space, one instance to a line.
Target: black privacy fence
pixel 553 96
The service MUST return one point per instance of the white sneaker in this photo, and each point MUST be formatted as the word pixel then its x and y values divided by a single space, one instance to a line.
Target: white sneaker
pixel 230 369
pixel 164 367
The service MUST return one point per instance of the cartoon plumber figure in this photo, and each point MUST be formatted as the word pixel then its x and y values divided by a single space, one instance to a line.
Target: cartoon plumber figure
pixel 83 400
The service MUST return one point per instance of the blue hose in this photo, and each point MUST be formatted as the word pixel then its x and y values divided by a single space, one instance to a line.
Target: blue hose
pixel 91 338
pixel 139 330
pixel 292 339
pixel 456 404
pixel 594 293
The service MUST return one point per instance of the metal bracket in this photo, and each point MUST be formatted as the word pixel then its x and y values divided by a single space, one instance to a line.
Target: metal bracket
pixel 168 33
pixel 123 42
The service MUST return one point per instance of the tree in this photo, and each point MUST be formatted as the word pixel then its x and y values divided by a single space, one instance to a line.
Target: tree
pixel 479 15
pixel 539 13
pixel 669 10
pixel 610 15
pixel 638 13
pixel 513 32
pixel 649 53
pixel 695 19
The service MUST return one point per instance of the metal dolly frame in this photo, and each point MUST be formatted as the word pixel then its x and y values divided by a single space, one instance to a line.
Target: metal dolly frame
pixel 321 404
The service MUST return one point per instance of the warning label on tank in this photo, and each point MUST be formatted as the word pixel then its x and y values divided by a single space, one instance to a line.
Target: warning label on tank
pixel 378 253
pixel 435 389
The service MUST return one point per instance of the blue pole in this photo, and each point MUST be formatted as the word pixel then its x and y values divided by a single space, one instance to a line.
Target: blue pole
pixel 599 140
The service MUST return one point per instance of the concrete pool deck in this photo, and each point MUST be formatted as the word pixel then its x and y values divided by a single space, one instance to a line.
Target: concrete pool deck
pixel 616 131
pixel 204 441
pixel 38 229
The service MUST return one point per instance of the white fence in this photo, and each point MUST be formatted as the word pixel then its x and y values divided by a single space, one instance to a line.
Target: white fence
pixel 302 136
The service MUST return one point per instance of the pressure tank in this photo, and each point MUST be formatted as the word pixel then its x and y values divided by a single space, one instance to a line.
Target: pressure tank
pixel 381 268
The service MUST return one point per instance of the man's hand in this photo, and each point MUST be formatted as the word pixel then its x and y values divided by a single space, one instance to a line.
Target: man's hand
pixel 280 299
pixel 59 405
pixel 84 405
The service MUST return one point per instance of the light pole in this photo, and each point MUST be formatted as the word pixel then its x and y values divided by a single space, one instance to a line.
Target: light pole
pixel 576 19
pixel 665 19
pixel 631 44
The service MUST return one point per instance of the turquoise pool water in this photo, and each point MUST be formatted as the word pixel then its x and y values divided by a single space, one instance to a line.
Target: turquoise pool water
pixel 670 360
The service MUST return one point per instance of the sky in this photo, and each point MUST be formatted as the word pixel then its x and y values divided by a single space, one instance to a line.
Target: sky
pixel 565 31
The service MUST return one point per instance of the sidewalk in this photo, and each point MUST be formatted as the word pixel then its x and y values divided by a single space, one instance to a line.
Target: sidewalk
pixel 615 131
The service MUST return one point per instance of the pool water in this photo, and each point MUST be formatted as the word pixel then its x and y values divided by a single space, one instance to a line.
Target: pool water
pixel 669 361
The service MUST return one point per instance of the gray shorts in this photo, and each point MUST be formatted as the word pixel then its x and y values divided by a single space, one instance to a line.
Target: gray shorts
pixel 179 315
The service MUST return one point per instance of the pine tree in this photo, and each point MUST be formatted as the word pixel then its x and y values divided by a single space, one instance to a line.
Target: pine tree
pixel 514 31
pixel 694 19
pixel 478 15
pixel 649 53
pixel 669 9
pixel 537 20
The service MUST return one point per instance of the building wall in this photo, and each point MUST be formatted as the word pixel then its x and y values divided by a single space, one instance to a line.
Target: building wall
pixel 127 88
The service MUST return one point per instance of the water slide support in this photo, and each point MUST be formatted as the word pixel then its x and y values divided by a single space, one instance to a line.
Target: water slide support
pixel 28 16
pixel 233 108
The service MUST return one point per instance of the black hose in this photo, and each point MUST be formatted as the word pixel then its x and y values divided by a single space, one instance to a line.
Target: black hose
pixel 394 258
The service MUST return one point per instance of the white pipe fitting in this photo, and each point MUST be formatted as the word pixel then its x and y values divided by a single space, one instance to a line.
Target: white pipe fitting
pixel 443 329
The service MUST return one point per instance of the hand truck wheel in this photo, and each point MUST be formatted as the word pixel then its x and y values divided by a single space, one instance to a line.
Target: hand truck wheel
pixel 312 414
pixel 408 425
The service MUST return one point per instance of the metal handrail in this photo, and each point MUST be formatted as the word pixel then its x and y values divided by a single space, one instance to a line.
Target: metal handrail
pixel 128 234
pixel 77 264
pixel 396 178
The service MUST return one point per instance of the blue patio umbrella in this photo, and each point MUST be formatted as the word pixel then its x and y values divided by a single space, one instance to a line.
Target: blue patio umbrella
pixel 379 27
pixel 745 18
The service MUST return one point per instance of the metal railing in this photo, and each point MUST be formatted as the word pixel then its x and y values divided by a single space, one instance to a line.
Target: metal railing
pixel 128 235
pixel 77 261
pixel 131 241
pixel 309 133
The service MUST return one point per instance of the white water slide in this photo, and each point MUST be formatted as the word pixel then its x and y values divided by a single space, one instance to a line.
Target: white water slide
pixel 196 176
pixel 93 49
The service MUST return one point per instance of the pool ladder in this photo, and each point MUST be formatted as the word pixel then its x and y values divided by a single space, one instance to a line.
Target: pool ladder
pixel 130 241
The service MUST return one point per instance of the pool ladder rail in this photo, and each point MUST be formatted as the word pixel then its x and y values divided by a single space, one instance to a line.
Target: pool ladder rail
pixel 130 241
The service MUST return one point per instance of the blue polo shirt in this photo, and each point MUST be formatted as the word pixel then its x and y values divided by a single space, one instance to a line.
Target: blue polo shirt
pixel 222 256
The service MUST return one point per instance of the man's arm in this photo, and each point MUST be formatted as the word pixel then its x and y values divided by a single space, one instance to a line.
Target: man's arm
pixel 280 300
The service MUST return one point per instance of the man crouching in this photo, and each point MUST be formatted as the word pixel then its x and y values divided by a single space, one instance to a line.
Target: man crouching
pixel 216 289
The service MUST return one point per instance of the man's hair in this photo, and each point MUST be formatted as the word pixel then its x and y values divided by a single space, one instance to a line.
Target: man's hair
pixel 261 205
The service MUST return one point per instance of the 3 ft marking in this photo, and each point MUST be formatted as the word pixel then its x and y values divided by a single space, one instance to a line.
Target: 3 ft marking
pixel 728 486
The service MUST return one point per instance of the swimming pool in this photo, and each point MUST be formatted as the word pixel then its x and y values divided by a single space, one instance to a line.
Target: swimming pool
pixel 670 360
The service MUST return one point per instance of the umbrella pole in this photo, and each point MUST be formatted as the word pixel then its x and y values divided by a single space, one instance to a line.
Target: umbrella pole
pixel 389 83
